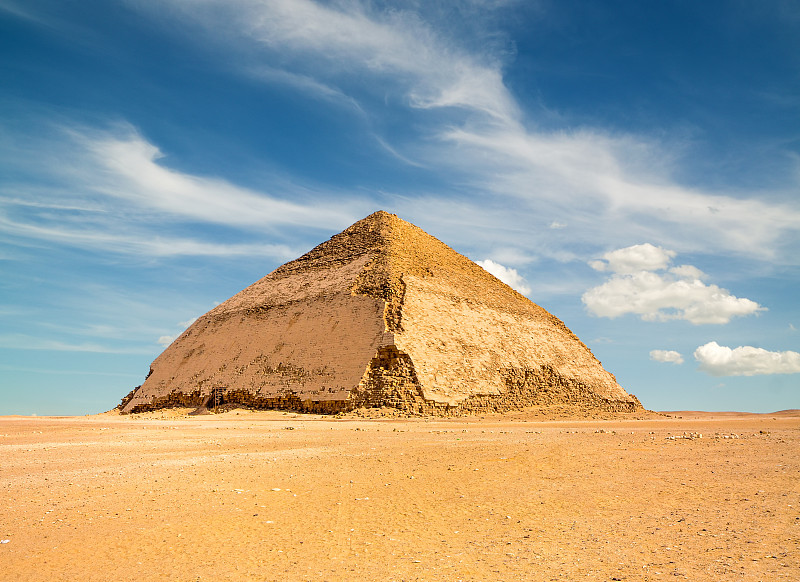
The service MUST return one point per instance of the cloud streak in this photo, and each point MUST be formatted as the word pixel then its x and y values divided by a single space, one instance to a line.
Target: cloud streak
pixel 115 192
pixel 140 244
pixel 596 183
pixel 26 342
pixel 166 340
pixel 349 39
pixel 130 170
pixel 667 356
pixel 592 180
pixel 588 185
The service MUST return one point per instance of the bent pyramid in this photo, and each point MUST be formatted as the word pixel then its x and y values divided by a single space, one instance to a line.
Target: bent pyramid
pixel 382 314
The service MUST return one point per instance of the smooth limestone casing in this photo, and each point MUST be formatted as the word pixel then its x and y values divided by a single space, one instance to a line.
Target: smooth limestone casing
pixel 383 314
pixel 461 348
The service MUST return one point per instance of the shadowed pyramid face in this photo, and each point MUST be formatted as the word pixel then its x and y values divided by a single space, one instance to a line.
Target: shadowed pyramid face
pixel 382 314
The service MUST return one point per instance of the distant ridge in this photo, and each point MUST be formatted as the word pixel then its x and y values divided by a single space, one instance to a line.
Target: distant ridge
pixel 790 412
pixel 382 314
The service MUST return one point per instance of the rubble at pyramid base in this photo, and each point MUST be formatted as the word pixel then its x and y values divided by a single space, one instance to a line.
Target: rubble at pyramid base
pixel 391 382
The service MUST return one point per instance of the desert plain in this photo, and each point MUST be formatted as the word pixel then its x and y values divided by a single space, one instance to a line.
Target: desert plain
pixel 262 496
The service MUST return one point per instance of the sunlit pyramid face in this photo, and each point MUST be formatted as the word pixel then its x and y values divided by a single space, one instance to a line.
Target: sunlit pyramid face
pixel 382 314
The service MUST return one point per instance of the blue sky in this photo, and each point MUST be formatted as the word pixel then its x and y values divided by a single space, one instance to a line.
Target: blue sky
pixel 633 167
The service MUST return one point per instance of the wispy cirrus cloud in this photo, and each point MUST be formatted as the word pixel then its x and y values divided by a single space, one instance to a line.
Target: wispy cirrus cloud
pixel 594 184
pixel 139 243
pixel 28 342
pixel 131 168
pixel 112 189
pixel 306 84
pixel 348 39
pixel 588 186
pixel 19 10
pixel 353 37
pixel 598 183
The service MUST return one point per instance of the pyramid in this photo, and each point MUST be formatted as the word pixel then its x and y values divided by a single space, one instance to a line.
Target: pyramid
pixel 381 315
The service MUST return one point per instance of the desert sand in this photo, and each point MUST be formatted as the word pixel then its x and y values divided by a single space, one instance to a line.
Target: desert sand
pixel 281 496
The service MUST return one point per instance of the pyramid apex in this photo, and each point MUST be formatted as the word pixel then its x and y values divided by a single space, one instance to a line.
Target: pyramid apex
pixel 380 214
pixel 377 218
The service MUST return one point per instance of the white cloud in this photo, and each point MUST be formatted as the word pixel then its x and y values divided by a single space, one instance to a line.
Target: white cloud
pixel 644 257
pixel 127 166
pixel 308 85
pixel 26 342
pixel 719 360
pixel 670 356
pixel 513 255
pixel 115 193
pixel 606 186
pixel 688 272
pixel 507 275
pixel 137 244
pixel 616 188
pixel 187 323
pixel 349 39
pixel 678 293
pixel 15 9
pixel 165 340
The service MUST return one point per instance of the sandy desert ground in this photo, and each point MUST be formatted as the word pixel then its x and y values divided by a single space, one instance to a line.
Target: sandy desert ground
pixel 273 496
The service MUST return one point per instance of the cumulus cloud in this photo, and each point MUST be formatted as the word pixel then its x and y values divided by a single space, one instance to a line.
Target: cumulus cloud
pixel 718 360
pixel 669 356
pixel 187 323
pixel 507 275
pixel 166 340
pixel 642 284
pixel 644 257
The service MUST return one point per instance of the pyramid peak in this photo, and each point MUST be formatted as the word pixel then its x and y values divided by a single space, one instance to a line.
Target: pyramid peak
pixel 394 249
pixel 381 221
pixel 380 215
